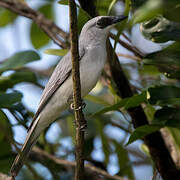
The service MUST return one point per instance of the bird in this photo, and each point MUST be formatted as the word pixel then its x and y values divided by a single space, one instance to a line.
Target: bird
pixel 58 93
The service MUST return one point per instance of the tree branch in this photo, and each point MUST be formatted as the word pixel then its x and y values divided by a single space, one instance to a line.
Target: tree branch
pixel 45 158
pixel 79 116
pixel 49 27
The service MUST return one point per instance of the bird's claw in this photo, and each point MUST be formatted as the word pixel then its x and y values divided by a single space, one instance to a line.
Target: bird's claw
pixel 83 105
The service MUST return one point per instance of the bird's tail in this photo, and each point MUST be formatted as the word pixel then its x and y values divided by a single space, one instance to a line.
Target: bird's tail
pixel 31 139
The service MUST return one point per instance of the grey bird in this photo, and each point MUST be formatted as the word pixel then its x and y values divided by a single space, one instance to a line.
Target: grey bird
pixel 58 92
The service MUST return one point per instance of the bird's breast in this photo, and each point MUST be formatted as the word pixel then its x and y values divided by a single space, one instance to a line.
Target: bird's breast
pixel 91 66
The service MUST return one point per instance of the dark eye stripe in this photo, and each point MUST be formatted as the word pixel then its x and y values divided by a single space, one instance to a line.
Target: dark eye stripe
pixel 103 22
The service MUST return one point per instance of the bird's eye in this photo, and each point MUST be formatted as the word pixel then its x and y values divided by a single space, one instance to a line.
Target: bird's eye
pixel 103 23
pixel 99 25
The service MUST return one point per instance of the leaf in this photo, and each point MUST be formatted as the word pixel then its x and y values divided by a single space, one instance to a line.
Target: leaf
pixel 97 100
pixel 38 37
pixel 5 126
pixel 147 11
pixel 56 52
pixel 18 60
pixel 166 60
pixel 82 18
pixel 143 131
pixel 164 94
pixel 126 103
pixel 160 30
pixel 6 157
pixel 123 160
pixel 167 116
pixel 63 2
pixel 103 6
pixel 7 100
pixel 104 139
pixel 15 78
pixel 6 17
pixel 111 6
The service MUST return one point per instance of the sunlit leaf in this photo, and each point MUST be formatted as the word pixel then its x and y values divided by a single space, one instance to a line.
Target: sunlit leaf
pixel 97 100
pixel 38 37
pixel 7 100
pixel 63 2
pixel 143 131
pixel 18 60
pixel 56 52
pixel 6 17
pixel 126 103
pixel 147 11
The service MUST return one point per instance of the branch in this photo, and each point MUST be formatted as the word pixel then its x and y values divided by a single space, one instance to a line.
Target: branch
pixel 45 158
pixel 127 46
pixel 79 116
pixel 49 27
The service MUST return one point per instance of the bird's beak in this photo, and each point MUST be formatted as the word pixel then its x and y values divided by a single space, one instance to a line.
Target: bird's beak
pixel 117 19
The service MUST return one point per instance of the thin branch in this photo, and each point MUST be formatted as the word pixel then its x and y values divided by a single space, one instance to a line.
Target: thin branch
pixel 136 58
pixel 127 46
pixel 40 155
pixel 49 27
pixel 79 116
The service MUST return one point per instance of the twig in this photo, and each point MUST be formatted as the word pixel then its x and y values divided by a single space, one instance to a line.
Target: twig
pixel 40 155
pixel 49 27
pixel 127 46
pixel 136 58
pixel 79 117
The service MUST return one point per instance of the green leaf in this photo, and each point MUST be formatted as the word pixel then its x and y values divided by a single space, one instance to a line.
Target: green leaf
pixel 82 18
pixel 38 37
pixel 143 131
pixel 7 100
pixel 104 139
pixel 171 10
pixel 15 78
pixel 5 126
pixel 160 30
pixel 111 6
pixel 97 100
pixel 123 160
pixel 63 2
pixel 167 116
pixel 56 52
pixel 164 94
pixel 166 60
pixel 126 103
pixel 18 60
pixel 103 6
pixel 6 17
pixel 148 11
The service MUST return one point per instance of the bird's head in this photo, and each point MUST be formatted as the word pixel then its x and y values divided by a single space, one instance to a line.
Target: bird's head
pixel 98 27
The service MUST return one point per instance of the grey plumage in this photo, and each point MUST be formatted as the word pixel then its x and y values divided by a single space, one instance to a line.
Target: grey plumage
pixel 58 91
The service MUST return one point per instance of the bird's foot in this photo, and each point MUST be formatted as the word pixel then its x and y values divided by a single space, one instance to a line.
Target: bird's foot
pixel 83 105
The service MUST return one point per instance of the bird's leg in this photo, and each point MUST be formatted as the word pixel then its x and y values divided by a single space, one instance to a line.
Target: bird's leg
pixel 83 105
pixel 72 109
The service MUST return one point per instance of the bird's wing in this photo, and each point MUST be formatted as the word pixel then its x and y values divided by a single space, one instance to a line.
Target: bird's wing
pixel 59 76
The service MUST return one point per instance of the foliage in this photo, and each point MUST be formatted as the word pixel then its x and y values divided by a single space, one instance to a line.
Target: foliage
pixel 157 89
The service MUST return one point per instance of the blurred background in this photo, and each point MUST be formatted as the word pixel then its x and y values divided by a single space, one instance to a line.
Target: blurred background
pixel 149 52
